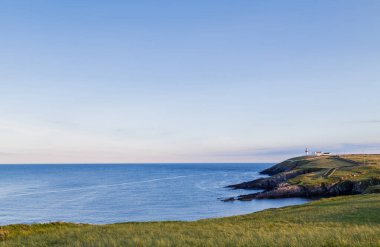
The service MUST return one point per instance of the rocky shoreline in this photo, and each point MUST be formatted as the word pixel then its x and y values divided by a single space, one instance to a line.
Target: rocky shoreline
pixel 288 179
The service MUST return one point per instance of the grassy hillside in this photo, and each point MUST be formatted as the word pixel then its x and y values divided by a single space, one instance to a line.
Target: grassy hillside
pixel 338 221
pixel 333 169
pixel 316 176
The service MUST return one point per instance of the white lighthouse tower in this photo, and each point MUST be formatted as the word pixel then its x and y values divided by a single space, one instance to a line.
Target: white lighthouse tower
pixel 306 151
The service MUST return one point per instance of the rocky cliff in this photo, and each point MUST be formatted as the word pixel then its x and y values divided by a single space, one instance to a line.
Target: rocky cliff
pixel 313 176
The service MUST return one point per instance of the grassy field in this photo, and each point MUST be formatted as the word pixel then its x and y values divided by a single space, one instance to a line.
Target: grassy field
pixel 333 169
pixel 339 221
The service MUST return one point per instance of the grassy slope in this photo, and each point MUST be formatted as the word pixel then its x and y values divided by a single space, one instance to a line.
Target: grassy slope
pixel 339 221
pixel 337 168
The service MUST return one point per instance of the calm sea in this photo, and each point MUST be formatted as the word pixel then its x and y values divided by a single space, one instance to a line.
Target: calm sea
pixel 107 193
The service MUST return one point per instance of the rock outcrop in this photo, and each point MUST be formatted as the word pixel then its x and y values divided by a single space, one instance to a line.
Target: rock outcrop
pixel 271 182
pixel 278 185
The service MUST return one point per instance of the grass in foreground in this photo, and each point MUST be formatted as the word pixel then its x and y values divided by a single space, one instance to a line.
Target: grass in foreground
pixel 339 221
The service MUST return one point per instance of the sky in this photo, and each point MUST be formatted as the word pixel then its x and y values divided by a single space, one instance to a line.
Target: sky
pixel 187 81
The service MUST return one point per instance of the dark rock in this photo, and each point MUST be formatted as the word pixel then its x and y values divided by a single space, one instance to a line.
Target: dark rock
pixel 277 185
pixel 270 182
pixel 229 199
pixel 285 190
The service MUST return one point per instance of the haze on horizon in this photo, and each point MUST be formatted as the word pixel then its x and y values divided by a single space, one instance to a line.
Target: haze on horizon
pixel 187 81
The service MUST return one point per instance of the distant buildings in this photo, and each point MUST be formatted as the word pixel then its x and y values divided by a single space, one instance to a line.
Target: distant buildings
pixel 317 153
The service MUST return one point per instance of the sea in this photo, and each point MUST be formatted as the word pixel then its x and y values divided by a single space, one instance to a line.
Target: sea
pixel 110 193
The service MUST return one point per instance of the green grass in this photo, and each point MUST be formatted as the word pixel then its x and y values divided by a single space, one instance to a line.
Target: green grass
pixel 366 159
pixel 339 221
pixel 346 167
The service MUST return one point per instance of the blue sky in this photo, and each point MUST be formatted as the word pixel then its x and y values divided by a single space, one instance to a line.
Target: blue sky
pixel 187 81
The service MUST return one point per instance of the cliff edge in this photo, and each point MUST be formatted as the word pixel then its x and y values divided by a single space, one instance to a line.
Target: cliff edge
pixel 316 176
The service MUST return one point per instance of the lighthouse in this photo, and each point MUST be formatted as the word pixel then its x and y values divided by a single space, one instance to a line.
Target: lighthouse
pixel 306 151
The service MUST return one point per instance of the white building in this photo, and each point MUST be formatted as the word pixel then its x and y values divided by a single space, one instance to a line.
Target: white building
pixel 319 153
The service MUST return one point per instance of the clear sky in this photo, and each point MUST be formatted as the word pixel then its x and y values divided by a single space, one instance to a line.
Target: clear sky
pixel 187 81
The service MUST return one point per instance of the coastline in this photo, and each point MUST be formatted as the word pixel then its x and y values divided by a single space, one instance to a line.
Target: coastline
pixel 338 221
pixel 109 193
pixel 315 177
pixel 341 220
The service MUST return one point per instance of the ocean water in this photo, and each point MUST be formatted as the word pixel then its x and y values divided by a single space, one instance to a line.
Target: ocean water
pixel 108 193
